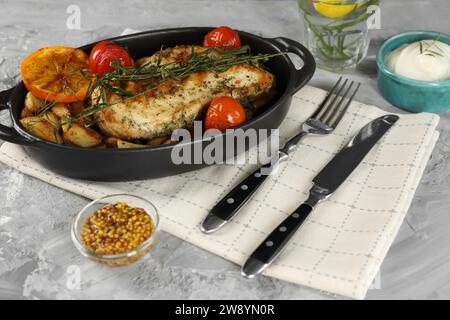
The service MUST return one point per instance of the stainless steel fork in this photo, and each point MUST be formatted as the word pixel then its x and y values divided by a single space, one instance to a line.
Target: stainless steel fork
pixel 322 122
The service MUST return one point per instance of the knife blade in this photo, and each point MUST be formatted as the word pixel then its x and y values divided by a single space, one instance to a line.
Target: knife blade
pixel 329 179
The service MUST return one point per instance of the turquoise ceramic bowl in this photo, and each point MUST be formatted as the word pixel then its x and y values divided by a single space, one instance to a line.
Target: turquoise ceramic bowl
pixel 408 94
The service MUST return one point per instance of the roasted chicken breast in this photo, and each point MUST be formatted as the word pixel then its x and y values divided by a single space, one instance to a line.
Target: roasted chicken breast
pixel 176 104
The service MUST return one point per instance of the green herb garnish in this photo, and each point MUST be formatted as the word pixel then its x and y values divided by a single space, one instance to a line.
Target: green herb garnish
pixel 428 51
pixel 212 59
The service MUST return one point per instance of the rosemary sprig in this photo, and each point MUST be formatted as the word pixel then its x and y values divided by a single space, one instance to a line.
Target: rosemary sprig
pixel 427 51
pixel 47 106
pixel 212 59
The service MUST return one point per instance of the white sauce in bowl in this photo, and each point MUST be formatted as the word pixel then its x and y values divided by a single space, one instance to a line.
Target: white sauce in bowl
pixel 425 60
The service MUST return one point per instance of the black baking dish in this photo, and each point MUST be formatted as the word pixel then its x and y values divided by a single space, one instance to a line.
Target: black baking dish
pixel 153 162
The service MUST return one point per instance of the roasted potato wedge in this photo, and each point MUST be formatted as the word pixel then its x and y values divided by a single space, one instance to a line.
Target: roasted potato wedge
pixel 111 142
pixel 77 108
pixel 25 113
pixel 65 127
pixel 158 141
pixel 168 141
pixel 54 121
pixel 42 128
pixel 33 104
pixel 128 145
pixel 62 111
pixel 76 134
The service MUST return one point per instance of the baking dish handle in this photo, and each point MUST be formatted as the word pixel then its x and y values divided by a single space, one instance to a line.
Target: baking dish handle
pixel 9 133
pixel 303 75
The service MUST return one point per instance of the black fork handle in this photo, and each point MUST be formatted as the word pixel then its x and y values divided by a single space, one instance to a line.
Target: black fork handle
pixel 303 75
pixel 9 133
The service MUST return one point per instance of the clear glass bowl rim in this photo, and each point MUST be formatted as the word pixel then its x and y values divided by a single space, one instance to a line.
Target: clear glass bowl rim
pixel 88 253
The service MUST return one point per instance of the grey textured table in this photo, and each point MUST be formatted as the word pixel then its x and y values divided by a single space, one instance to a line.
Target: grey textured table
pixel 36 253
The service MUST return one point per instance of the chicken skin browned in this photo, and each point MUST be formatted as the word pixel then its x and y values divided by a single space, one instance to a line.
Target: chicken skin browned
pixel 176 104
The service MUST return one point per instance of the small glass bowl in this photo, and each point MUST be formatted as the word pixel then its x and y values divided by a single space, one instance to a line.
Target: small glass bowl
pixel 123 258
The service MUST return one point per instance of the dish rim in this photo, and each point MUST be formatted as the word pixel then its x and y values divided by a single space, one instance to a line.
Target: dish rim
pixel 35 141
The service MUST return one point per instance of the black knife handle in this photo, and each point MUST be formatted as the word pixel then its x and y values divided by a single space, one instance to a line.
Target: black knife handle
pixel 272 246
pixel 229 206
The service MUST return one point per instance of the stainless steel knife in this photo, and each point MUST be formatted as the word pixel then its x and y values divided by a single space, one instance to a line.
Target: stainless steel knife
pixel 324 185
pixel 322 122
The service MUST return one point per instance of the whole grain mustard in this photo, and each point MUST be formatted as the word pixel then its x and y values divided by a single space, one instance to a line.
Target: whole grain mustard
pixel 116 228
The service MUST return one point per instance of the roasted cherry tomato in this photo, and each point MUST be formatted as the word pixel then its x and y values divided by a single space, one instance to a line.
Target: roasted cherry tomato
pixel 106 53
pixel 223 37
pixel 224 113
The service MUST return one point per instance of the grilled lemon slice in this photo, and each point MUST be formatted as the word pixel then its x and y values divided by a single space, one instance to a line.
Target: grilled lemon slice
pixel 57 74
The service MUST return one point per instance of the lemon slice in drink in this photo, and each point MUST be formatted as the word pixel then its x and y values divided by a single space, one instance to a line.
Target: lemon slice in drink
pixel 334 8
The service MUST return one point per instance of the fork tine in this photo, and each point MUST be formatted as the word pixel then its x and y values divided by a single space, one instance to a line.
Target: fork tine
pixel 321 108
pixel 330 106
pixel 330 119
pixel 344 110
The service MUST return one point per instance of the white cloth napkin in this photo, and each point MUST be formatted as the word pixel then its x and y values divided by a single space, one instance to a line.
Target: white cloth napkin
pixel 341 245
